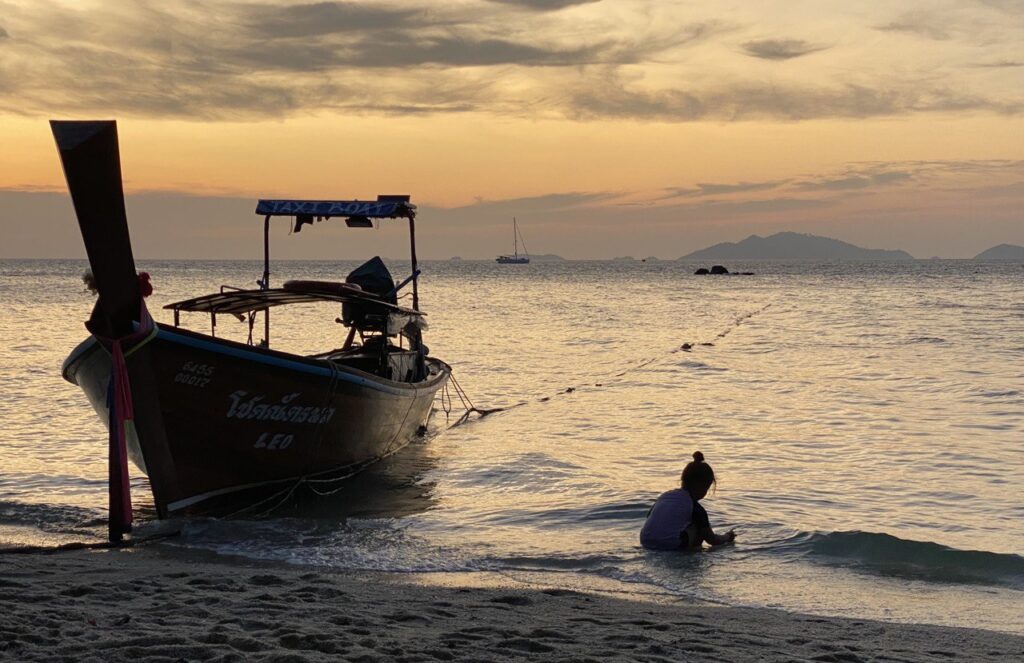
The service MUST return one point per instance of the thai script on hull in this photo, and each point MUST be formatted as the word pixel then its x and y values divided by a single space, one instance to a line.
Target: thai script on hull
pixel 252 407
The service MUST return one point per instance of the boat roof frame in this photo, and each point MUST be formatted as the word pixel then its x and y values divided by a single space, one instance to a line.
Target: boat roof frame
pixel 237 302
pixel 357 213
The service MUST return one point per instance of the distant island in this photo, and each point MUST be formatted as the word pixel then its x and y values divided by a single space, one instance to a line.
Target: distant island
pixel 545 257
pixel 793 246
pixel 1002 252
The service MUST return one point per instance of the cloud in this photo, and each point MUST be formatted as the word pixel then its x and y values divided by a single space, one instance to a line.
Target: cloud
pixel 611 97
pixel 727 209
pixel 1014 190
pixel 3 33
pixel 324 18
pixel 861 177
pixel 922 169
pixel 391 50
pixel 1015 7
pixel 200 59
pixel 551 202
pixel 999 64
pixel 780 49
pixel 919 23
pixel 705 189
pixel 210 60
pixel 545 5
pixel 855 181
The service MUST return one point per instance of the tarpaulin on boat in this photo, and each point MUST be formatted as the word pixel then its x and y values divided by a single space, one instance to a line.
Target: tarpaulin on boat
pixel 374 278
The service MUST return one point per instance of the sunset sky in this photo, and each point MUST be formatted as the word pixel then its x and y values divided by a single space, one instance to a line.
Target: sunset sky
pixel 608 128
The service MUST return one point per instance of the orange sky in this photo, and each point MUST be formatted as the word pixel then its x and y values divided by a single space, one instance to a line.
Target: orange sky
pixel 607 128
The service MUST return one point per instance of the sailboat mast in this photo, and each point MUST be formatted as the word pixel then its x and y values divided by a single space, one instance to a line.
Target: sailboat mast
pixel 515 238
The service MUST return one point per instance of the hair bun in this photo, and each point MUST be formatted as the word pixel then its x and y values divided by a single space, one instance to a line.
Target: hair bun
pixel 698 457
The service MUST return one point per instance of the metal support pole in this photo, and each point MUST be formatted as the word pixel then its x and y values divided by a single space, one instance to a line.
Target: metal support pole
pixel 265 283
pixel 415 267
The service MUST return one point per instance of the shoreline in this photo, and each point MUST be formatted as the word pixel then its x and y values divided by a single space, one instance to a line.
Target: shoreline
pixel 159 601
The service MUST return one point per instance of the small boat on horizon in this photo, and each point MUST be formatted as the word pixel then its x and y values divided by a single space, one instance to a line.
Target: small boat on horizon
pixel 515 258
pixel 213 421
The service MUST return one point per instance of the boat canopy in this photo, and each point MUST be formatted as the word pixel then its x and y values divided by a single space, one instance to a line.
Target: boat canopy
pixel 357 214
pixel 385 207
pixel 238 302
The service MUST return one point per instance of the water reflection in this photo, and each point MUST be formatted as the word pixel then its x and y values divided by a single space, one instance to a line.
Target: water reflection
pixel 396 487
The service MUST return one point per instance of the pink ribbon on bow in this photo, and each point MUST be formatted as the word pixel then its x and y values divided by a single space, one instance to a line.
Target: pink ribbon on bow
pixel 122 415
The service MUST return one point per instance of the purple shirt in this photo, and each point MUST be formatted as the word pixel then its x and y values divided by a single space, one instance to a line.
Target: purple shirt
pixel 668 519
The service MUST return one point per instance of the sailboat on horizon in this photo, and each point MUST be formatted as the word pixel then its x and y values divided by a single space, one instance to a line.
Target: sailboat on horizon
pixel 515 258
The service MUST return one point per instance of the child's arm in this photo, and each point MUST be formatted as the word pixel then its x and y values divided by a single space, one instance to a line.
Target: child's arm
pixel 712 539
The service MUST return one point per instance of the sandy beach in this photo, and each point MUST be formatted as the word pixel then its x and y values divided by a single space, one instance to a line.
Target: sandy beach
pixel 157 603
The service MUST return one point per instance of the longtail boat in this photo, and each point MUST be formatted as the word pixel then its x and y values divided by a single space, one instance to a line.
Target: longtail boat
pixel 211 420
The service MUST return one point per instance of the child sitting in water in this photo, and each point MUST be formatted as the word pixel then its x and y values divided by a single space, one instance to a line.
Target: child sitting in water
pixel 677 521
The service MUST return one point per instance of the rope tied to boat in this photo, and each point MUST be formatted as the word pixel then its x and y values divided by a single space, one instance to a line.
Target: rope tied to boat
pixel 446 400
pixel 446 404
pixel 121 410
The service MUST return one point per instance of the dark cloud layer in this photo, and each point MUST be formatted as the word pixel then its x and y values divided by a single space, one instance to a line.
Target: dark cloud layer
pixel 324 18
pixel 780 49
pixel 227 60
pixel 201 59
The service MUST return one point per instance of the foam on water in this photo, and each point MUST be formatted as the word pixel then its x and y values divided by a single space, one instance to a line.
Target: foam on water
pixel 865 422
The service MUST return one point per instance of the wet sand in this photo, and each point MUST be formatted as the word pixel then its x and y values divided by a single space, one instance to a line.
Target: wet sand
pixel 159 603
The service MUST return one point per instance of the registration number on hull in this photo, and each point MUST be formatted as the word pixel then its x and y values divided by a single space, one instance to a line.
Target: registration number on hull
pixel 274 441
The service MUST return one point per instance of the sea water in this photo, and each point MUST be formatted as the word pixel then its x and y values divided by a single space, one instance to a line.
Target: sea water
pixel 865 421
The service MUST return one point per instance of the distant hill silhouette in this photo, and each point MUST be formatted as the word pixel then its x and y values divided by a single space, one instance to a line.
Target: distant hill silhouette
pixel 1002 252
pixel 793 246
pixel 546 257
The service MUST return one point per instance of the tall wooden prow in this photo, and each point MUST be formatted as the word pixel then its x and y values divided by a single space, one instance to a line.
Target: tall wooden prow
pixel 92 167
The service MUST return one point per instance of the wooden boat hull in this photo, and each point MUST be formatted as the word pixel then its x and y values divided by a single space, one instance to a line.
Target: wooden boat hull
pixel 235 417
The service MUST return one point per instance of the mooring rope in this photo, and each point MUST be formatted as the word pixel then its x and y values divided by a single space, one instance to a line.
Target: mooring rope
pixel 468 405
pixel 685 347
pixel 309 481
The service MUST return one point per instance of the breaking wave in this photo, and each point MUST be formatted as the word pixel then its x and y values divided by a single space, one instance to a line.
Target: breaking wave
pixel 889 555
